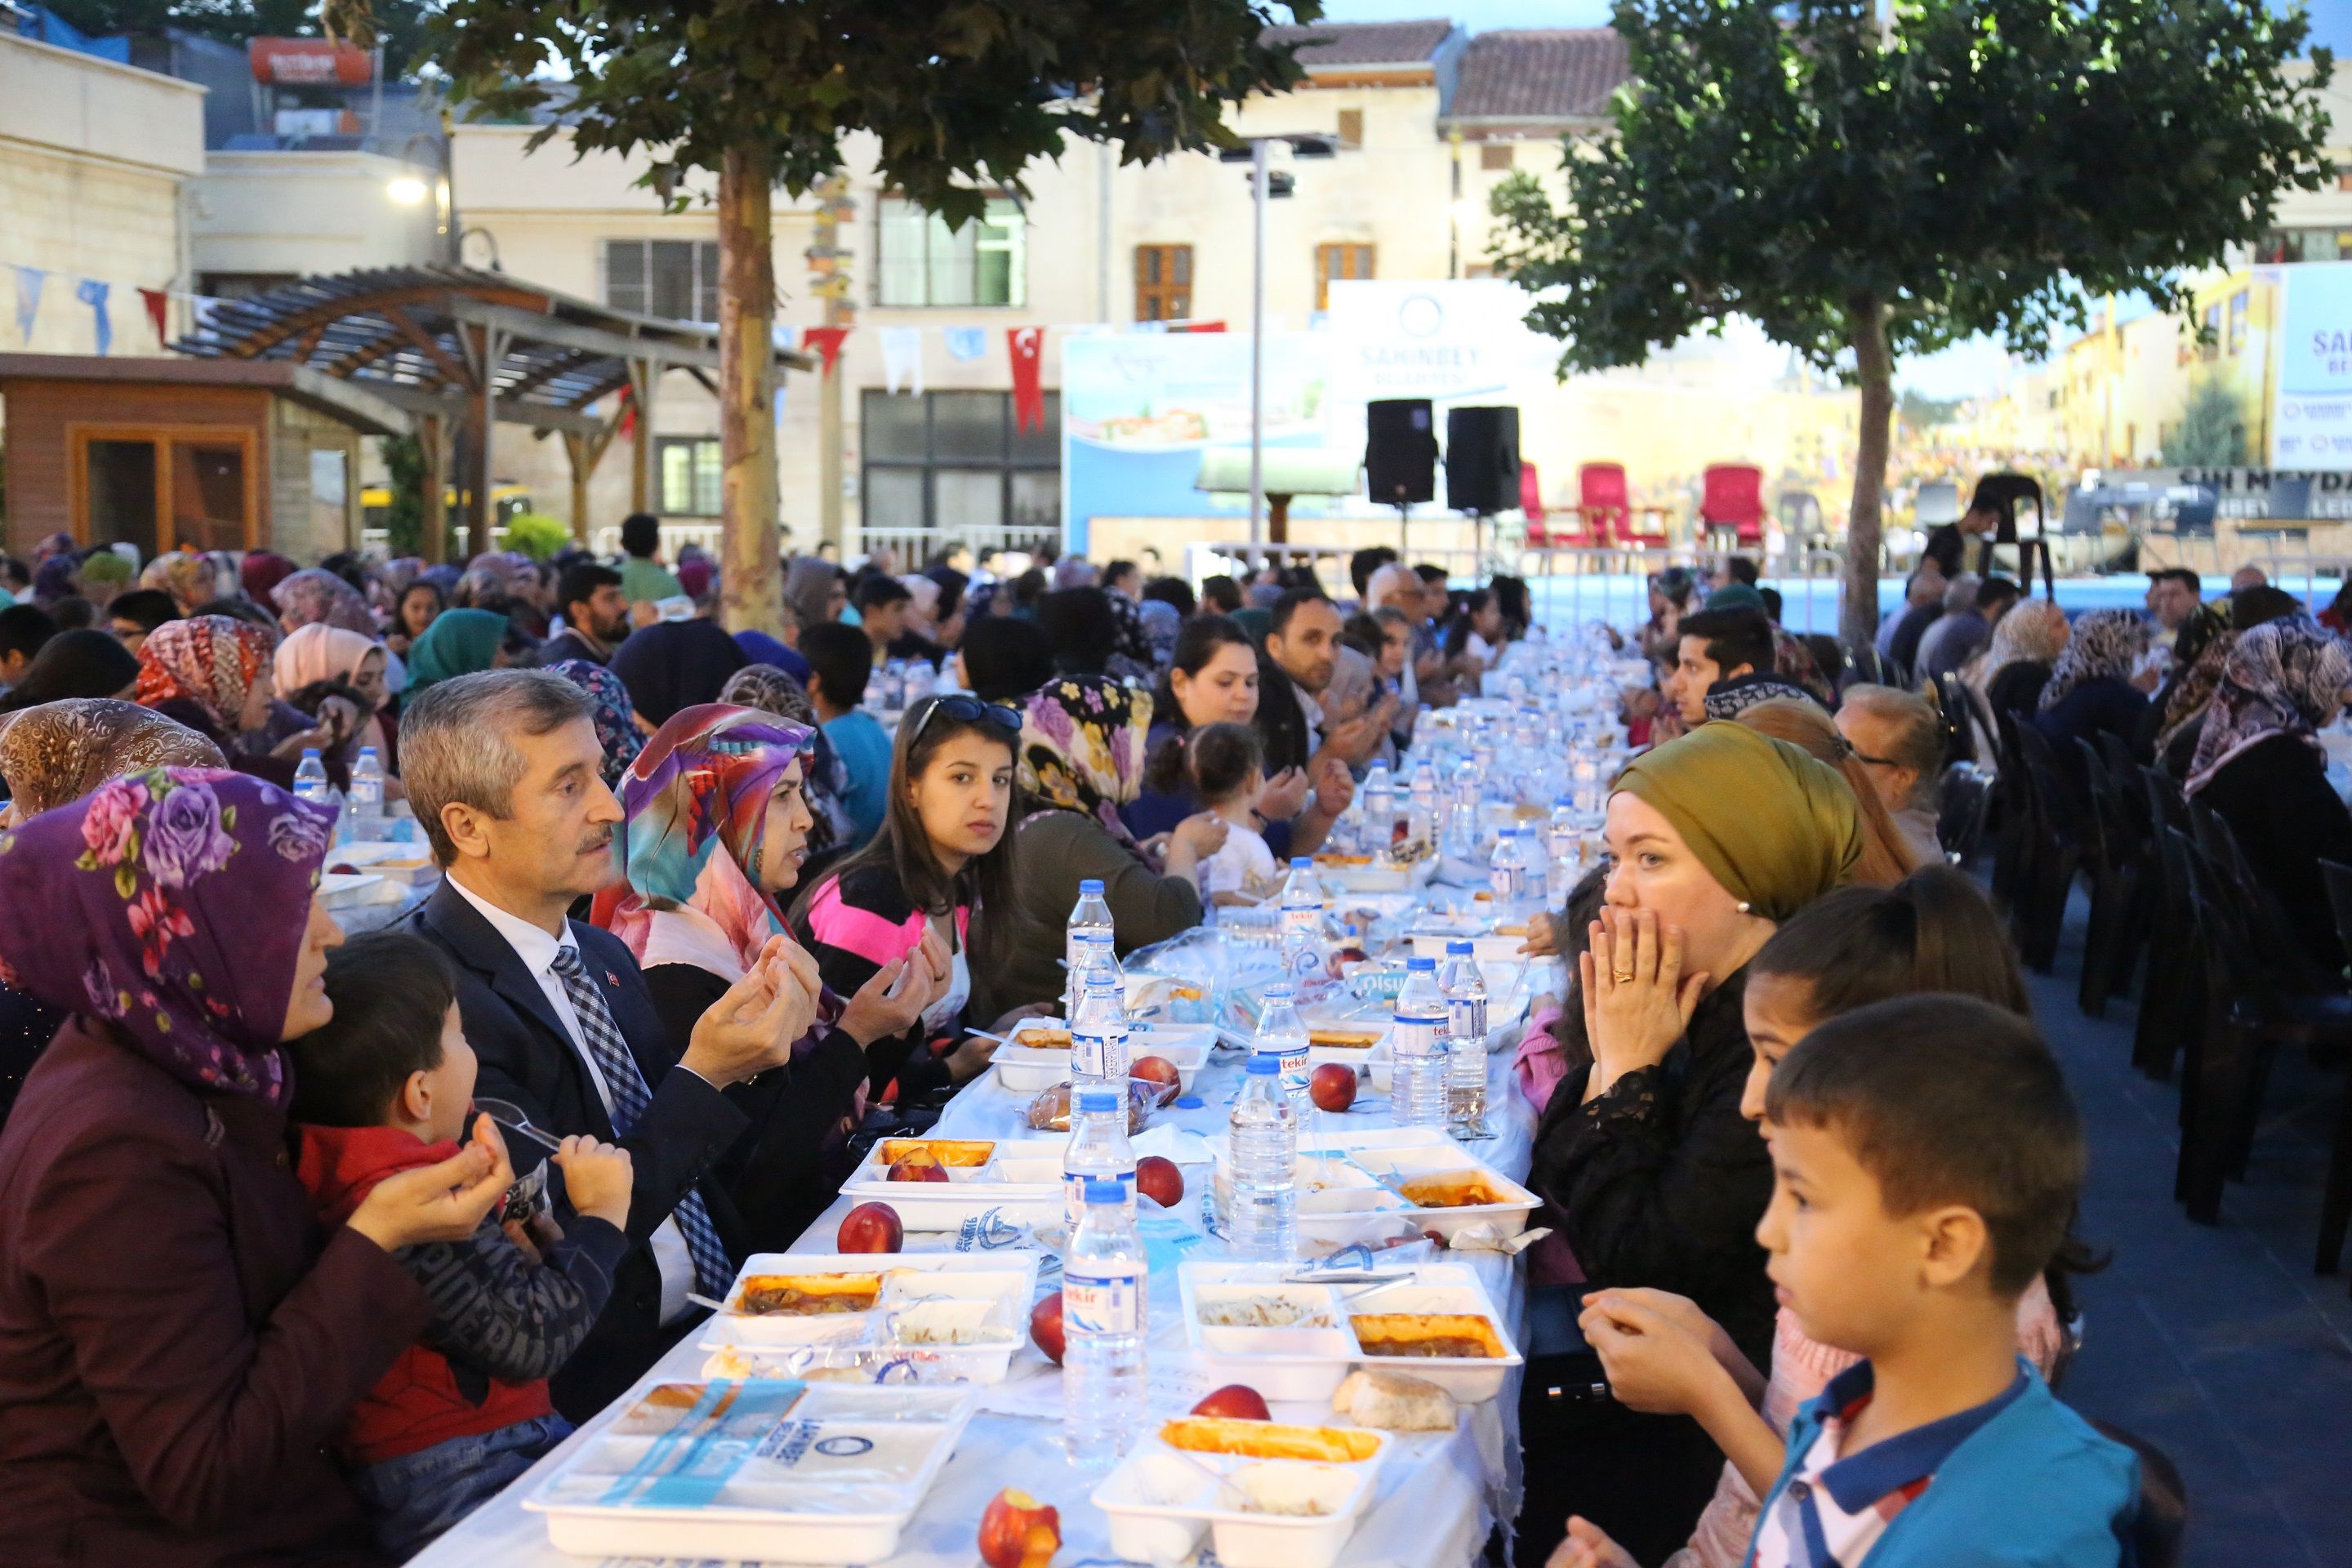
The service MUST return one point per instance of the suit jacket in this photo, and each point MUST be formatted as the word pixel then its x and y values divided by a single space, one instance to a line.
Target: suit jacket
pixel 526 1055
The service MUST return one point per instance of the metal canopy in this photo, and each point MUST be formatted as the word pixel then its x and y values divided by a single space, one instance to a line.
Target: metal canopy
pixel 459 344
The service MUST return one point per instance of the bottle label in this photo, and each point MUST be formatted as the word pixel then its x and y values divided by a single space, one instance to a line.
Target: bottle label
pixel 1465 1019
pixel 1074 1193
pixel 1092 1055
pixel 1506 881
pixel 1102 1304
pixel 1415 1036
pixel 1302 920
pixel 1294 1069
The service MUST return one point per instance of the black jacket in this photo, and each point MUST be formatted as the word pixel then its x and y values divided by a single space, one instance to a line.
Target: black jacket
pixel 526 1055
pixel 1659 1181
pixel 2287 818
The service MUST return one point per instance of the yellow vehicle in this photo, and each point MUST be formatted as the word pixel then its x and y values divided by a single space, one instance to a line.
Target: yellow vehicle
pixel 507 502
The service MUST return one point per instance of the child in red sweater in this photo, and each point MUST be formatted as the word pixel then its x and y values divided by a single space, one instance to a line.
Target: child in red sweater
pixel 388 1087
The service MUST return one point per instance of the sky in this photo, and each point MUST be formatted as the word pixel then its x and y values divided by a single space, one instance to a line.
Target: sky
pixel 1963 370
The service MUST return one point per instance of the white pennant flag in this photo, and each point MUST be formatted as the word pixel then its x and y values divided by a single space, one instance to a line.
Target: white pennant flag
pixel 902 357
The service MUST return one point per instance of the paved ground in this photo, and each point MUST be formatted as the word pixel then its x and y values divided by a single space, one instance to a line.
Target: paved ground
pixel 2218 1344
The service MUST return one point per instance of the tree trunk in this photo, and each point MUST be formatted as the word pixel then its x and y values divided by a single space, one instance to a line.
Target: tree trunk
pixel 1874 369
pixel 751 580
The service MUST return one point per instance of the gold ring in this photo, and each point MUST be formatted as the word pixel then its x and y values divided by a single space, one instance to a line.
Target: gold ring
pixel 1620 974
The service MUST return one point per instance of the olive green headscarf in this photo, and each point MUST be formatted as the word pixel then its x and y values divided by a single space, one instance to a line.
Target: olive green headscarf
pixel 1777 827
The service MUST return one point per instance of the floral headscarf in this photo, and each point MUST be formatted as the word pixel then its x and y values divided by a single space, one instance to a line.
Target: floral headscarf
pixel 170 904
pixel 1794 663
pixel 2203 648
pixel 826 777
pixel 1082 749
pixel 191 579
pixel 696 799
pixel 58 752
pixel 209 660
pixel 2282 678
pixel 313 596
pixel 616 725
pixel 2106 644
pixel 2034 632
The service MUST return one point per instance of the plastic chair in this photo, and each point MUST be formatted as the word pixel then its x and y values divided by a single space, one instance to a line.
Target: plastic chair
pixel 1967 795
pixel 1603 507
pixel 2335 1206
pixel 2169 997
pixel 2051 854
pixel 1731 499
pixel 2161 1519
pixel 2111 858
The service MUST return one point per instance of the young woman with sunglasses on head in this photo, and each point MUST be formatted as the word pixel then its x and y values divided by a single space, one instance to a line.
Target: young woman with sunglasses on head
pixel 936 877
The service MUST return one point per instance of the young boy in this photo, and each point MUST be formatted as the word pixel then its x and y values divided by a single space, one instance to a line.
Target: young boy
pixel 840 660
pixel 385 1087
pixel 1926 1160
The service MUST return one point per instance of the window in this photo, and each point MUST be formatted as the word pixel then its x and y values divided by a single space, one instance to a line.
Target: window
pixel 951 462
pixel 673 278
pixel 1495 155
pixel 1351 128
pixel 687 476
pixel 1163 282
pixel 2210 348
pixel 2343 176
pixel 921 262
pixel 1348 261
pixel 2239 304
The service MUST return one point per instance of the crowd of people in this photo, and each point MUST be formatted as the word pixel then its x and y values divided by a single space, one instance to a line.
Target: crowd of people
pixel 285 1276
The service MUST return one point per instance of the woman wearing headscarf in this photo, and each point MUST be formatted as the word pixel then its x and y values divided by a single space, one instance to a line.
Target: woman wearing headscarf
pixel 59 577
pixel 260 571
pixel 760 649
pixel 2260 768
pixel 180 1343
pixel 54 545
pixel 675 665
pixel 319 661
pixel 104 575
pixel 83 663
pixel 2090 691
pixel 458 642
pixel 2016 663
pixel 1650 1176
pixel 217 677
pixel 616 724
pixel 2175 715
pixel 316 595
pixel 825 778
pixel 1081 758
pixel 52 756
pixel 1887 856
pixel 191 579
pixel 814 589
pixel 715 830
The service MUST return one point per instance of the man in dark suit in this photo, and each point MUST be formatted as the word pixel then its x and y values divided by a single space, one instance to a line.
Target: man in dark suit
pixel 505 774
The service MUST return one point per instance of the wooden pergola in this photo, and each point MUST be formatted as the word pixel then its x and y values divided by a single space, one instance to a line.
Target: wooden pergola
pixel 460 348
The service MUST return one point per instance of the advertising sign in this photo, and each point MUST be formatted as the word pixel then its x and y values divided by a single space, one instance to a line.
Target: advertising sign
pixel 2313 427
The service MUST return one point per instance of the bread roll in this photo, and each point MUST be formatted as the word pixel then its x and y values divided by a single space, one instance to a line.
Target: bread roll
pixel 1392 1402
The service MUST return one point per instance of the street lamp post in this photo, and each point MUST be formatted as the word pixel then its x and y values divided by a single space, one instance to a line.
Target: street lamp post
pixel 1263 187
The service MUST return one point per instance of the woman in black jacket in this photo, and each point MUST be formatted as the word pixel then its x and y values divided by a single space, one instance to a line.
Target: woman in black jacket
pixel 1649 1171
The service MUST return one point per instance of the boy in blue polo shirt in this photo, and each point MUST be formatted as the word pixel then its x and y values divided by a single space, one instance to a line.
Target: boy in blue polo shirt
pixel 1926 1159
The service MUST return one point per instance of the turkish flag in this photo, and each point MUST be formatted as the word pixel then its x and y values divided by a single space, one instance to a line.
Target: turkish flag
pixel 1028 398
pixel 156 301
pixel 826 342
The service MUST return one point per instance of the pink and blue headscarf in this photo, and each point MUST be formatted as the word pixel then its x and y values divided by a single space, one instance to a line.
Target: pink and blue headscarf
pixel 696 804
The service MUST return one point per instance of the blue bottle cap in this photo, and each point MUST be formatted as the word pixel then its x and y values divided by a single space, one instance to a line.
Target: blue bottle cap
pixel 1097 1101
pixel 310 753
pixel 1302 863
pixel 367 750
pixel 1090 884
pixel 1264 1064
pixel 1411 964
pixel 1278 992
pixel 1458 950
pixel 1101 1192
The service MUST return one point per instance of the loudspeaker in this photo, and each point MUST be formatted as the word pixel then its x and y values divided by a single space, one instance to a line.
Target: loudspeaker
pixel 1482 459
pixel 1399 451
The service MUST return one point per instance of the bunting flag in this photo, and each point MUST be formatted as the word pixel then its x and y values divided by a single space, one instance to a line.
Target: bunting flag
pixel 902 357
pixel 827 342
pixel 92 293
pixel 1196 326
pixel 157 302
pixel 966 342
pixel 1026 344
pixel 28 300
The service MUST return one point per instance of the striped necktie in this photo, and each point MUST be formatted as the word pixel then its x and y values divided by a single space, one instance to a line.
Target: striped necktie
pixel 630 1097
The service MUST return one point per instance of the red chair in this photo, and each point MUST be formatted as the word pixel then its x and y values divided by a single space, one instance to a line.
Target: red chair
pixel 1601 509
pixel 1731 499
pixel 1531 506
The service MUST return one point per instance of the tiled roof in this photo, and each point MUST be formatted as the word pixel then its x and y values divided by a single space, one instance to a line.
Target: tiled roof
pixel 1560 72
pixel 1335 44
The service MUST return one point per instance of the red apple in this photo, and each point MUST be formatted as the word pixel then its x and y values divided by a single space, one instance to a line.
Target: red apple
pixel 1046 1326
pixel 1018 1532
pixel 918 1171
pixel 1235 1401
pixel 1157 1178
pixel 870 1227
pixel 1158 1070
pixel 1332 1086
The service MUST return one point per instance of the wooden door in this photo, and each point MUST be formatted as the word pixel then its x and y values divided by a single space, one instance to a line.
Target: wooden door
pixel 157 486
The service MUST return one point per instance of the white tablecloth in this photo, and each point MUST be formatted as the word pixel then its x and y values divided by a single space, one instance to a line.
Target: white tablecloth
pixel 1438 1496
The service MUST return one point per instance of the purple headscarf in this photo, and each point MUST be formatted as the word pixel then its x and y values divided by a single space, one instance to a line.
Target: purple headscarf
pixel 171 905
pixel 315 595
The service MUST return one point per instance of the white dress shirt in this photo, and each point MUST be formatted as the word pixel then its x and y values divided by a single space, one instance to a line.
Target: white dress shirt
pixel 538 950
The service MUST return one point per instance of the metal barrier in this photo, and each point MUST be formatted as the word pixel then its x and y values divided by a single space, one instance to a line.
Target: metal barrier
pixel 915 546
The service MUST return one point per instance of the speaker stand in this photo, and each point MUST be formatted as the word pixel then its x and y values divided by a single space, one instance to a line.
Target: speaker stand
pixel 1404 525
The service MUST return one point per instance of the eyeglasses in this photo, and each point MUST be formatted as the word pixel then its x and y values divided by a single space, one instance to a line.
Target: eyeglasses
pixel 966 709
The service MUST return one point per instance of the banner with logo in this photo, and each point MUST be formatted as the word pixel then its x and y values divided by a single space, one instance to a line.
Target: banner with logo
pixel 2314 427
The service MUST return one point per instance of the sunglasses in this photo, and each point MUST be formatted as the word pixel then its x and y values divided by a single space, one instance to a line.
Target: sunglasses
pixel 966 709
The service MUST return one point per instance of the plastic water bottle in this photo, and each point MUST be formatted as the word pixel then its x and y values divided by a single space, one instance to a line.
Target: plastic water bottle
pixel 1281 1035
pixel 922 679
pixel 1423 786
pixel 1103 1324
pixel 1099 1150
pixel 1465 987
pixel 367 795
pixel 1566 844
pixel 1418 1095
pixel 1302 924
pixel 1099 1038
pixel 1086 941
pixel 1507 875
pixel 310 782
pixel 1462 818
pixel 1264 1133
pixel 1380 810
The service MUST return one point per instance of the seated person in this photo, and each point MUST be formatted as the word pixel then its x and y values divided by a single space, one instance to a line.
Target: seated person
pixel 387 1086
pixel 1723 663
pixel 840 663
pixel 1228 777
